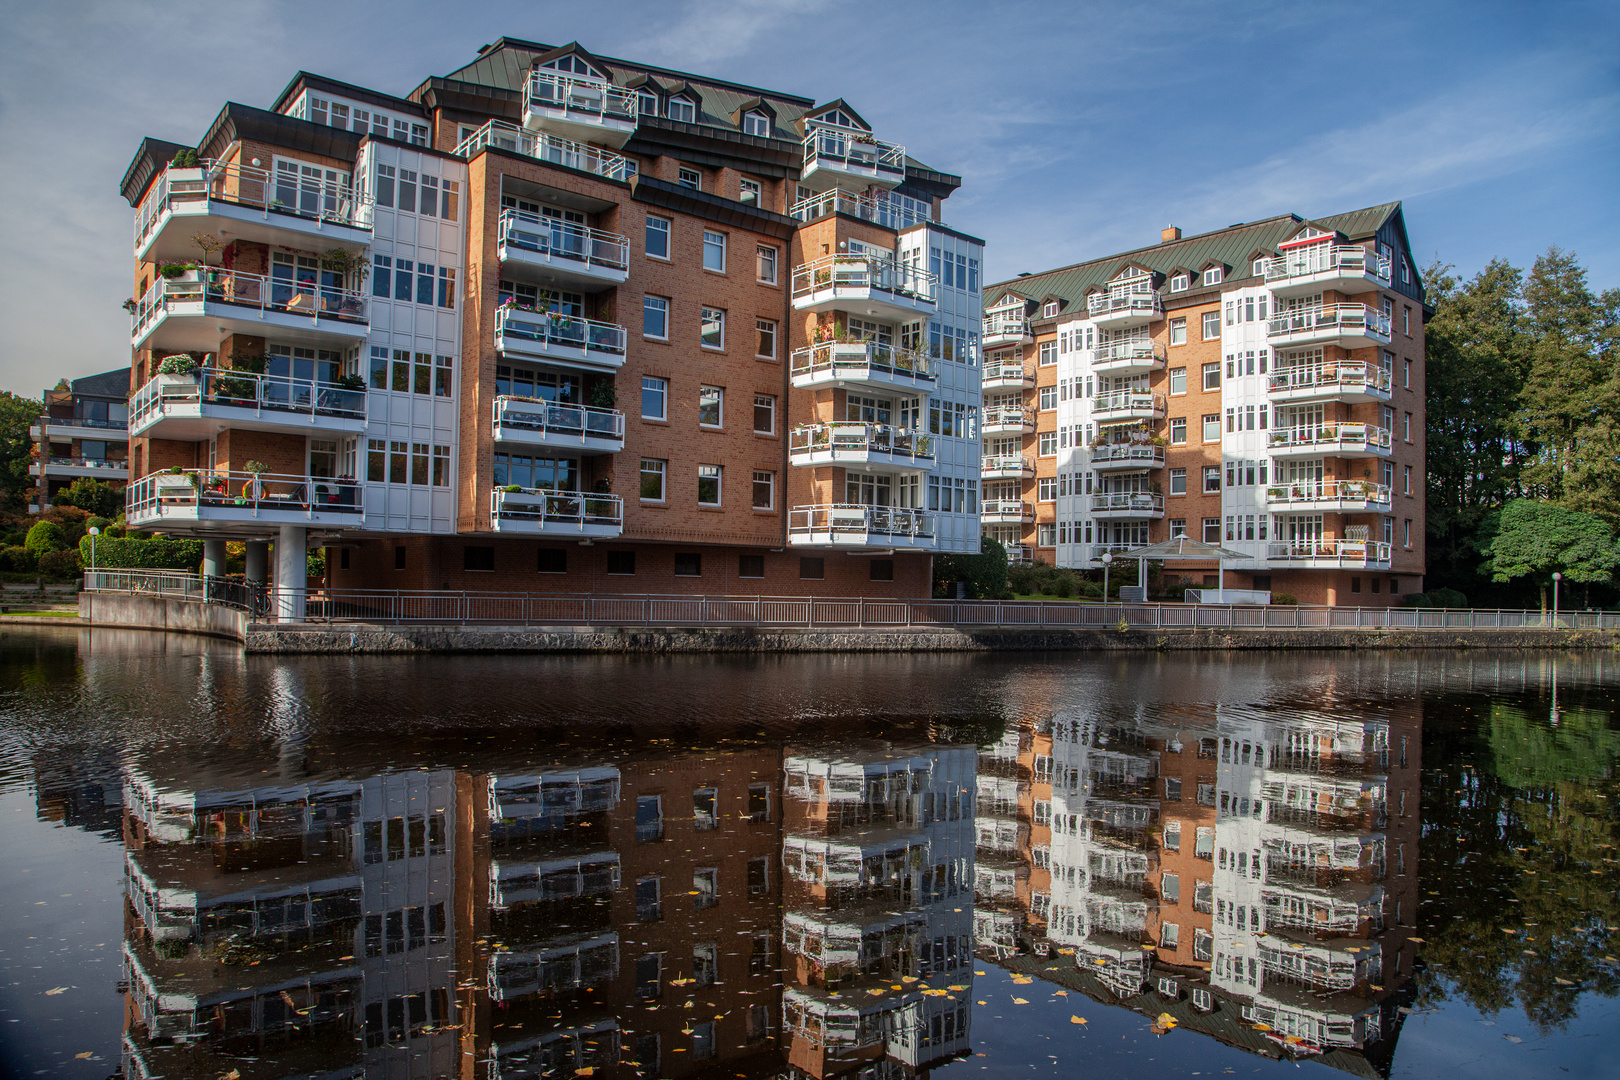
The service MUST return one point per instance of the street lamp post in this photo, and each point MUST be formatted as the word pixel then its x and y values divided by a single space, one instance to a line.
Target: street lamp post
pixel 94 532
pixel 1557 577
pixel 1107 561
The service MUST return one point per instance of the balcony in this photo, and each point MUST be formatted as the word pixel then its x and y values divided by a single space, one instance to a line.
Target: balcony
pixel 1349 326
pixel 864 365
pixel 1330 554
pixel 1006 512
pixel 1008 420
pixel 1330 440
pixel 194 312
pixel 205 501
pixel 1127 504
pixel 1121 405
pixel 816 445
pixel 846 525
pixel 1315 268
pixel 1006 328
pixel 1006 375
pixel 1127 457
pixel 555 252
pixel 81 427
pixel 1006 467
pixel 571 514
pixel 579 107
pixel 1121 310
pixel 864 285
pixel 576 429
pixel 836 157
pixel 1019 553
pixel 99 468
pixel 238 202
pixel 206 401
pixel 1341 496
pixel 1345 381
pixel 559 339
pixel 500 135
pixel 1132 356
pixel 876 207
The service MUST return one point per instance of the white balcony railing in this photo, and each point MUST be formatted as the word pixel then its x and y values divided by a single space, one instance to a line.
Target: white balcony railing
pixel 557 239
pixel 1102 305
pixel 1132 453
pixel 578 96
pixel 845 440
pixel 1345 319
pixel 1145 502
pixel 1131 402
pixel 1345 378
pixel 562 511
pixel 855 520
pixel 250 293
pixel 1342 552
pixel 1323 258
pixel 500 135
pixel 876 207
pixel 189 494
pixel 1330 436
pixel 997 416
pixel 864 272
pixel 550 330
pixel 1006 464
pixel 1006 371
pixel 853 151
pixel 1019 553
pixel 858 359
pixel 109 464
pixel 286 193
pixel 1006 324
pixel 1005 509
pixel 1310 493
pixel 557 419
pixel 1128 350
pixel 228 388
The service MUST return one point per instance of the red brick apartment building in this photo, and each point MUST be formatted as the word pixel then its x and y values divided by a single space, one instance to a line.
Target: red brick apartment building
pixel 1260 387
pixel 555 322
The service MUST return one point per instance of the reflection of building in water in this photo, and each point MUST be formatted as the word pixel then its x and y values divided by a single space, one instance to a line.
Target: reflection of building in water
pixel 879 861
pixel 1012 878
pixel 1252 872
pixel 306 923
pixel 79 787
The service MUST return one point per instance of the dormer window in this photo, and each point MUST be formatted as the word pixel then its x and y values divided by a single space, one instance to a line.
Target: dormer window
pixel 1259 268
pixel 1050 310
pixel 682 109
pixel 757 124
pixel 838 118
pixel 1212 275
pixel 1181 283
pixel 647 103
pixel 572 65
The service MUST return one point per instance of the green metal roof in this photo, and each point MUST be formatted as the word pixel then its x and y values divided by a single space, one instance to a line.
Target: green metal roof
pixel 1233 247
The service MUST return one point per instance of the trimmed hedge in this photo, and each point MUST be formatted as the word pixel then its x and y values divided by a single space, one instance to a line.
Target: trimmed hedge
pixel 136 553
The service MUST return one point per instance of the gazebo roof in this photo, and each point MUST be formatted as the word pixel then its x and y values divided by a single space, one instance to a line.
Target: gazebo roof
pixel 1182 548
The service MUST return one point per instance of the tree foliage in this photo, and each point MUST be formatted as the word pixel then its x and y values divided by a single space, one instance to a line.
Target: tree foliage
pixel 17 415
pixel 1530 538
pixel 44 538
pixel 92 496
pixel 984 573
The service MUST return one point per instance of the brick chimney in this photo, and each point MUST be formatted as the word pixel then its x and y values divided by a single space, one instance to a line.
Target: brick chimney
pixel 1169 233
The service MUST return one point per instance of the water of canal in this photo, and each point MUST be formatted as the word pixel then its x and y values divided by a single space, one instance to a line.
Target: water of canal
pixel 805 867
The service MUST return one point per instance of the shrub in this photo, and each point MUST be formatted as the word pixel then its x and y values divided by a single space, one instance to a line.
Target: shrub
pixel 44 538
pixel 17 559
pixel 1449 598
pixel 137 553
pixel 1092 589
pixel 1285 599
pixel 984 573
pixel 60 564
pixel 1416 600
pixel 1064 588
pixel 101 500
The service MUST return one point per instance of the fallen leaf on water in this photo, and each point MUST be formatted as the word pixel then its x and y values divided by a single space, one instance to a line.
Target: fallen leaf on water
pixel 1078 1020
pixel 84 1055
pixel 981 1003
pixel 1164 1024
pixel 1060 993
pixel 978 973
pixel 1562 981
pixel 876 993
pixel 1020 1001
pixel 586 1071
pixel 956 988
pixel 1262 1027
pixel 53 991
pixel 1513 1038
pixel 1417 940
pixel 908 979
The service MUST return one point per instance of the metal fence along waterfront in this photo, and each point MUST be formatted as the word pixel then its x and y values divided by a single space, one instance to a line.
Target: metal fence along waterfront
pixel 579 609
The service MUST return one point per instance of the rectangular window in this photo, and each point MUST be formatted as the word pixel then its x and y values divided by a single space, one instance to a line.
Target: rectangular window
pixel 759 806
pixel 654 398
pixel 714 251
pixel 1212 275
pixel 424 283
pixel 711 406
pixel 1212 325
pixel 688 178
pixel 385 185
pixel 649 898
pixel 750 566
pixel 1406 535
pixel 1178 380
pixel 443 372
pixel 655 317
pixel 1212 376
pixel 812 568
pixel 379 368
pixel 450 204
pixel 478 559
pixel 1170 884
pixel 1406 427
pixel 1178 331
pixel 430 196
pixel 1048 353
pixel 652 479
pixel 1046 489
pixel 750 191
pixel 708 489
pixel 447 287
pixel 1178 481
pixel 553 561
pixel 402 279
pixel 882 570
pixel 765 414
pixel 765 265
pixel 1212 479
pixel 714 328
pixel 688 564
pixel 764 490
pixel 441 466
pixel 621 563
pixel 1178 430
pixel 705 804
pixel 382 276
pixel 649 985
pixel 1212 427
pixel 407 190
pixel 765 347
pixel 1046 444
pixel 657 242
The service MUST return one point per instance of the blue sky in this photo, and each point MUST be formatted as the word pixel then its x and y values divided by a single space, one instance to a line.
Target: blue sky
pixel 1079 129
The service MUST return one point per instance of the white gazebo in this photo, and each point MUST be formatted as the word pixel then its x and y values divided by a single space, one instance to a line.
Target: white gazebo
pixel 1186 549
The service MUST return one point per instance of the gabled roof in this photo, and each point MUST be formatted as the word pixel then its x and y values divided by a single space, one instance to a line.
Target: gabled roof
pixel 843 106
pixel 108 384
pixel 305 79
pixel 573 48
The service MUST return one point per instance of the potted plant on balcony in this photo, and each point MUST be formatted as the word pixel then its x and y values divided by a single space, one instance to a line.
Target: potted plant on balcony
pixel 131 305
pixel 178 271
pixel 179 369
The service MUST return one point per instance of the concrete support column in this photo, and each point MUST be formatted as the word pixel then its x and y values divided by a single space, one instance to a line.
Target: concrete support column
pixel 258 561
pixel 213 564
pixel 291 573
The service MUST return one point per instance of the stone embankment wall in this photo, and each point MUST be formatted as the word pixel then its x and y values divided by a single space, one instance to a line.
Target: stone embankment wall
pixel 129 611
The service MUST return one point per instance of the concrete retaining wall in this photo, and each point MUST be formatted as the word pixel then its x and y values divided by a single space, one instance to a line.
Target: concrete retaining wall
pixel 132 611
pixel 365 638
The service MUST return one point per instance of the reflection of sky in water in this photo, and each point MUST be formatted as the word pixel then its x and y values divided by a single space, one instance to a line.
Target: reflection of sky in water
pixel 759 865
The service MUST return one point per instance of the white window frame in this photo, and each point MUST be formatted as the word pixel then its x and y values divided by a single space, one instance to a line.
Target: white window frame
pixel 757 124
pixel 719 393
pixel 656 303
pixel 1213 275
pixel 1212 319
pixel 681 103
pixel 662 390
pixel 691 179
pixel 716 316
pixel 1181 283
pixel 662 472
pixel 716 473
pixel 714 250
pixel 766 259
pixel 665 226
pixel 765 328
pixel 768 478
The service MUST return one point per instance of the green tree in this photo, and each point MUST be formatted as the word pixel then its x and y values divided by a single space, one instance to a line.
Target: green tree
pixel 93 496
pixel 44 538
pixel 984 573
pixel 1533 539
pixel 17 415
